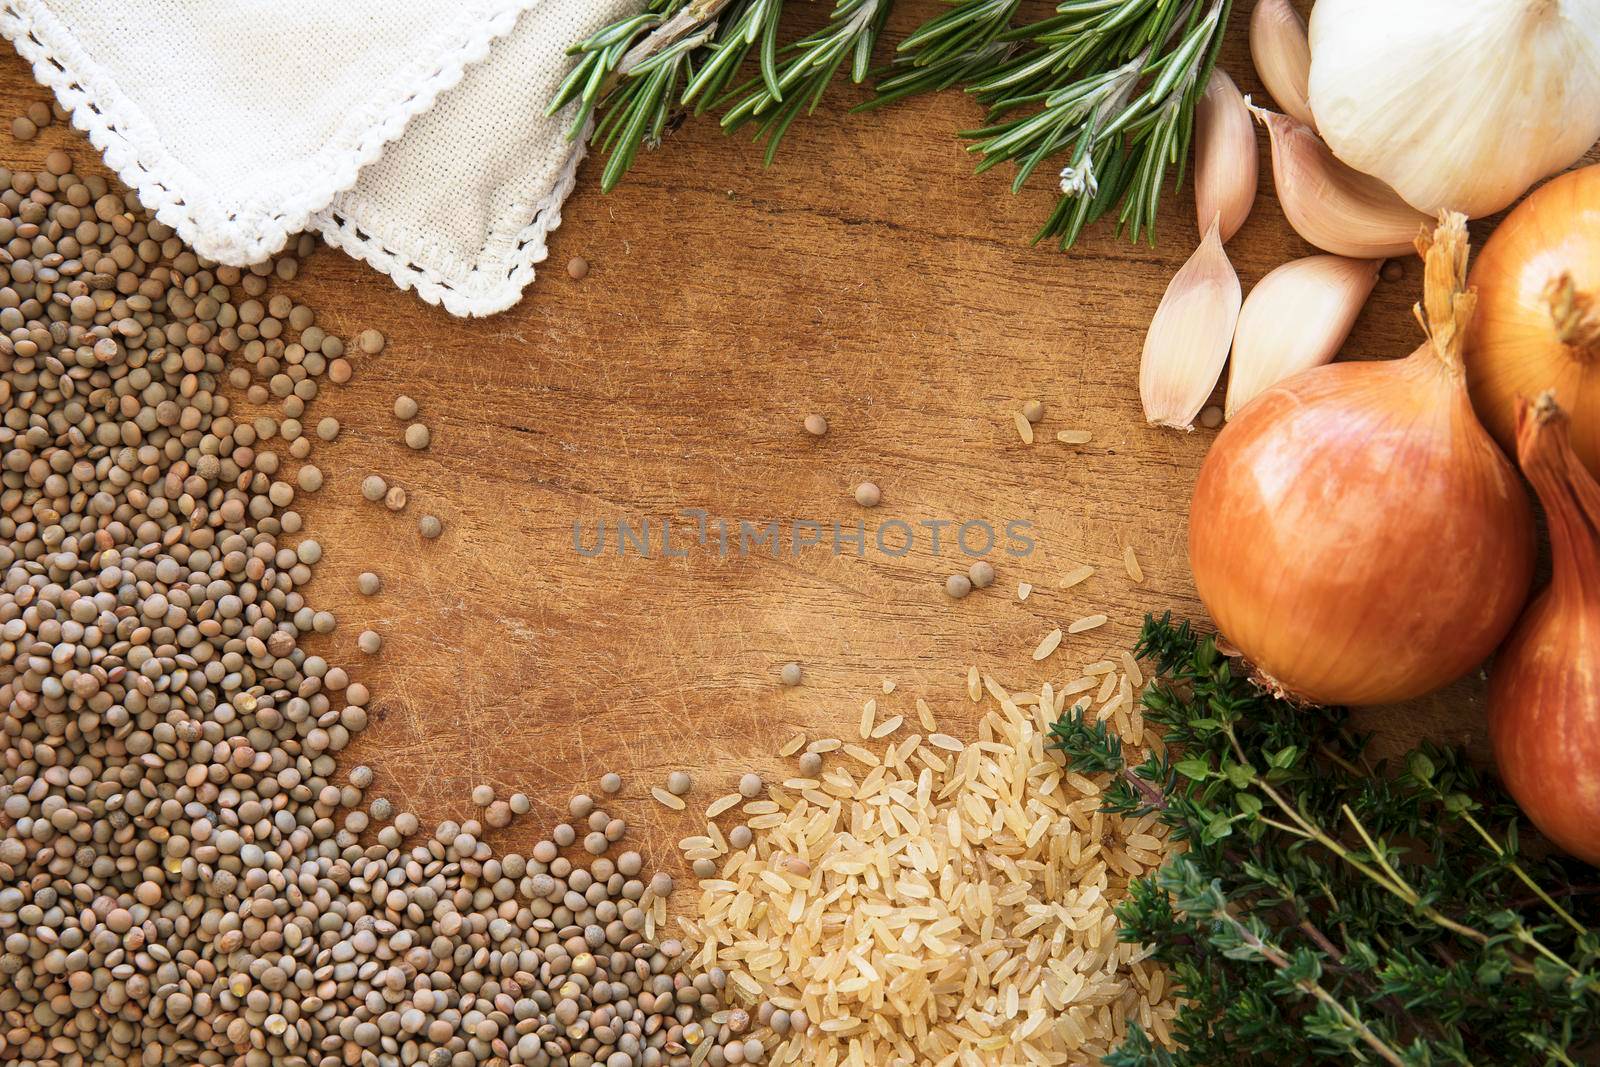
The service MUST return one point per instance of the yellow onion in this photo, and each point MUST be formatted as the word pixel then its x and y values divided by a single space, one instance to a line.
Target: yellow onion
pixel 1355 532
pixel 1544 691
pixel 1538 325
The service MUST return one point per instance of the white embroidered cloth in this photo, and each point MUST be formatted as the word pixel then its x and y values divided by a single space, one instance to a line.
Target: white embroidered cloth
pixel 410 133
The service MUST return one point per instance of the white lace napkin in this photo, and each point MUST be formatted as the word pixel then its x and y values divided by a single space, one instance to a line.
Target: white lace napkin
pixel 410 133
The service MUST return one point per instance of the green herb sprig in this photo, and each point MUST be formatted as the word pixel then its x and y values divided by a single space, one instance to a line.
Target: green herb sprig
pixel 682 56
pixel 1107 87
pixel 1329 908
pixel 1102 90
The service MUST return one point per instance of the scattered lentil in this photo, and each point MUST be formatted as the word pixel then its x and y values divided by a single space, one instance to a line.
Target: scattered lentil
pixel 577 268
pixel 816 425
pixel 176 822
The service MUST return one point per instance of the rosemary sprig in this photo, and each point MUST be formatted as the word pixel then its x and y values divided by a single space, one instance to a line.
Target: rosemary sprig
pixel 808 68
pixel 682 56
pixel 1102 90
pixel 1106 87
pixel 1328 909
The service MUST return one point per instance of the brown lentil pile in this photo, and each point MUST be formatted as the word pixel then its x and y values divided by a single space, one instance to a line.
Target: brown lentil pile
pixel 184 876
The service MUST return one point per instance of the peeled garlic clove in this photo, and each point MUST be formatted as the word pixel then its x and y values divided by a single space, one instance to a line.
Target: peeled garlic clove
pixel 1336 208
pixel 1189 337
pixel 1225 167
pixel 1296 318
pixel 1282 55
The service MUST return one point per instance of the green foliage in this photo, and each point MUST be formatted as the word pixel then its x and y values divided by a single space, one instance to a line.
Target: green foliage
pixel 1329 908
pixel 681 56
pixel 1103 90
pixel 1108 86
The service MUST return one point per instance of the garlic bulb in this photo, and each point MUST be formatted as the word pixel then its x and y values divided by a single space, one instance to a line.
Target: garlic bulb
pixel 1457 104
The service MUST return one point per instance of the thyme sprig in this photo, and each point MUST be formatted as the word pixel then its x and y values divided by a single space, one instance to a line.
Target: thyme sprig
pixel 1328 907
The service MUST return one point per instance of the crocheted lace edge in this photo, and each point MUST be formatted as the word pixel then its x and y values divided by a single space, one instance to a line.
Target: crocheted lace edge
pixel 491 285
pixel 227 234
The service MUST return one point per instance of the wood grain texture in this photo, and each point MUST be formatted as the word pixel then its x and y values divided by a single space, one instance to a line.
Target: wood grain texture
pixel 869 276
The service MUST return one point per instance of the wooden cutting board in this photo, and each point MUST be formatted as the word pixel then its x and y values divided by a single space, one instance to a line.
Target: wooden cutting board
pixel 868 276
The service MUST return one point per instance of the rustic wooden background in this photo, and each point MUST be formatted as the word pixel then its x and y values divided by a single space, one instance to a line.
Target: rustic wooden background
pixel 868 276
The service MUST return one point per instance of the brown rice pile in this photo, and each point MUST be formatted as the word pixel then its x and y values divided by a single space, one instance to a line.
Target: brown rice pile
pixel 940 903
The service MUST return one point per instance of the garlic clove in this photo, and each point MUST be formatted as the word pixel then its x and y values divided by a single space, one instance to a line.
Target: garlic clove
pixel 1188 340
pixel 1335 207
pixel 1296 318
pixel 1225 164
pixel 1282 55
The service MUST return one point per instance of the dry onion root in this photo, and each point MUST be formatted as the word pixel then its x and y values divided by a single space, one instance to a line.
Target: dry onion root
pixel 1544 692
pixel 1355 532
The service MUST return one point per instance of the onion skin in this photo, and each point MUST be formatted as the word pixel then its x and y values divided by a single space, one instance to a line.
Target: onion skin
pixel 1513 351
pixel 1544 690
pixel 1355 531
